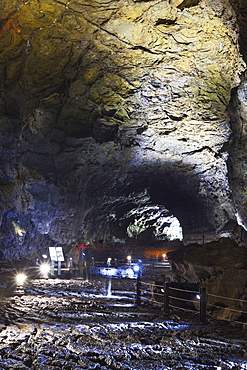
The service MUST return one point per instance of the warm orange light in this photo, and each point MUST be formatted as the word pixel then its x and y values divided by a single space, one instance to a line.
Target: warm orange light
pixel 156 253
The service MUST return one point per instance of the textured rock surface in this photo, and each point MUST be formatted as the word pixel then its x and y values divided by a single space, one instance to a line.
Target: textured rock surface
pixel 219 267
pixel 109 107
pixel 59 324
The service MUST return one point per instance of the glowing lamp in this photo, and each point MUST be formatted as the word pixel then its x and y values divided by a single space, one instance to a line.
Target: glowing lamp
pixel 136 268
pixel 44 268
pixel 20 278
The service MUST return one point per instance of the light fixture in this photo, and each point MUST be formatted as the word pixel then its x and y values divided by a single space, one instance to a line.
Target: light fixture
pixel 20 278
pixel 44 269
pixel 136 268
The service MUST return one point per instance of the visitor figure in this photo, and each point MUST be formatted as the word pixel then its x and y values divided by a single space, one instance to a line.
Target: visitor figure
pixel 82 263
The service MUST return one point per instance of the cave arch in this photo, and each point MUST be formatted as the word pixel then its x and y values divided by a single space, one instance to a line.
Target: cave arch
pixel 174 187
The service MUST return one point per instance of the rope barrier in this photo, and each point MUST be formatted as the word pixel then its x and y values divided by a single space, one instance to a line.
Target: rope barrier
pixel 229 309
pixel 183 299
pixel 201 305
pixel 159 286
pixel 232 299
pixel 146 283
pixel 184 290
pixel 162 295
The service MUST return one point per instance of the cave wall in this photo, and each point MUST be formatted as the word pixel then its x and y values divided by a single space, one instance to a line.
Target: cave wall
pixel 108 106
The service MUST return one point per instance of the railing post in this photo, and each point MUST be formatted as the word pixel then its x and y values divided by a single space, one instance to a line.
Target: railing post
pixel 138 290
pixel 203 305
pixel 166 299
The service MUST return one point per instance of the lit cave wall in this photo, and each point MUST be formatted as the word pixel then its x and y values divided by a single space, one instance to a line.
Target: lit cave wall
pixel 119 120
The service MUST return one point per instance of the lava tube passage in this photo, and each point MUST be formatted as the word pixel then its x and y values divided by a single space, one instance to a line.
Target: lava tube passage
pixel 156 221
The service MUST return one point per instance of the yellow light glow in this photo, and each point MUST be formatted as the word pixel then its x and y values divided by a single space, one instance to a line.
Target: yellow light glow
pixel 18 230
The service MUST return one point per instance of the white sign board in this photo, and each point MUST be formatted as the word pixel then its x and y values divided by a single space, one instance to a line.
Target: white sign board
pixel 60 256
pixel 56 253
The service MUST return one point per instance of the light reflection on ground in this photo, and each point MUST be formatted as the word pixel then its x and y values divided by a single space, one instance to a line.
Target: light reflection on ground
pixel 72 324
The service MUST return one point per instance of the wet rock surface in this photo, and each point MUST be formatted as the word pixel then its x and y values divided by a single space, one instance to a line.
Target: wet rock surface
pixel 71 324
pixel 115 114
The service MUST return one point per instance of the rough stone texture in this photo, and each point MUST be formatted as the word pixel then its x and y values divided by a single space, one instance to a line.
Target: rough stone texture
pixel 219 267
pixel 108 107
pixel 59 324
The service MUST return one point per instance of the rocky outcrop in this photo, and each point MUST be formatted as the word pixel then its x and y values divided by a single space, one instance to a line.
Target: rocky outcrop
pixel 113 112
pixel 221 268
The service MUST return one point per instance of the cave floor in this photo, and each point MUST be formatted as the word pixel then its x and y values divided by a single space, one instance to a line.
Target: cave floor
pixel 72 324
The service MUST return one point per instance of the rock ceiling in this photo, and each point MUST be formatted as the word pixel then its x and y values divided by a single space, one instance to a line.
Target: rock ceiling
pixel 115 110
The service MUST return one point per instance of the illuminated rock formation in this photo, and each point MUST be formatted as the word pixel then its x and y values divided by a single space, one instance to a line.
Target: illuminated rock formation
pixel 116 114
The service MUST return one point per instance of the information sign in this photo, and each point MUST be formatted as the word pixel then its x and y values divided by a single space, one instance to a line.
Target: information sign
pixel 56 254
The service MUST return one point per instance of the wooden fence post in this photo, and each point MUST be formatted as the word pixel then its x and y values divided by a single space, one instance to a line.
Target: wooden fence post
pixel 138 290
pixel 203 305
pixel 166 299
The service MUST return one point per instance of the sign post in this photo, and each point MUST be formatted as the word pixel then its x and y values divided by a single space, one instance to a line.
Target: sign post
pixel 52 268
pixel 56 254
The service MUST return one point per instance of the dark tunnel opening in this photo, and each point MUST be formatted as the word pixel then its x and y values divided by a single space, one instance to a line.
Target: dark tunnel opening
pixel 161 207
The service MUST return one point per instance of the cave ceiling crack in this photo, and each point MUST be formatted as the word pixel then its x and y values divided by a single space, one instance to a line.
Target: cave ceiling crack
pixel 135 47
pixel 199 150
